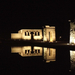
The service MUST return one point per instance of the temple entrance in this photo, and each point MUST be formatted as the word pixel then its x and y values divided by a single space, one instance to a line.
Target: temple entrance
pixel 49 51
pixel 49 36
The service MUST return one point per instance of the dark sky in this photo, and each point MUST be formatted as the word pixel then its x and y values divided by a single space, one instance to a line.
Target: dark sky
pixel 16 15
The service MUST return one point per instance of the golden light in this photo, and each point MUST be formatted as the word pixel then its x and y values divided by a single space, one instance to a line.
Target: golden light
pixel 49 54
pixel 49 34
pixel 72 59
pixel 67 43
pixel 47 61
pixel 15 35
pixel 70 39
pixel 72 32
pixel 51 40
pixel 74 41
pixel 69 20
pixel 25 51
pixel 37 37
pixel 45 39
pixel 21 31
pixel 15 49
pixel 72 44
pixel 47 26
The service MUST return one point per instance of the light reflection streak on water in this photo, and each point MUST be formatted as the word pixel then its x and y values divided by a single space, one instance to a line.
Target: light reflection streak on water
pixel 72 59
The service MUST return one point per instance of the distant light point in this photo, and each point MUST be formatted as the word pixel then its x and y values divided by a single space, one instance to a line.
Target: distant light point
pixel 69 20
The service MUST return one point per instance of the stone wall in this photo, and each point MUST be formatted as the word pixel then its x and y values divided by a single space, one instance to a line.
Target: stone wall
pixel 72 32
pixel 49 33
pixel 49 54
pixel 26 34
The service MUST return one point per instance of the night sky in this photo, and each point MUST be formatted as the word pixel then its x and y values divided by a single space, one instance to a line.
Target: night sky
pixel 16 15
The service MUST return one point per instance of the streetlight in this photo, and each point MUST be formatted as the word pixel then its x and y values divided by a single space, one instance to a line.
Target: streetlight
pixel 67 43
pixel 60 37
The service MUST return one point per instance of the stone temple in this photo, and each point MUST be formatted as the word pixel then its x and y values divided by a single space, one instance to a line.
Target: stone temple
pixel 72 32
pixel 47 34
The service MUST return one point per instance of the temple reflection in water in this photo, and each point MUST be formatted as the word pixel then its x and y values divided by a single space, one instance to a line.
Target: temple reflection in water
pixel 49 54
pixel 72 59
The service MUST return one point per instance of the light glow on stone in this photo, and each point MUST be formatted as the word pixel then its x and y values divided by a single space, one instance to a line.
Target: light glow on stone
pixel 72 32
pixel 72 59
pixel 21 51
pixel 49 34
pixel 49 54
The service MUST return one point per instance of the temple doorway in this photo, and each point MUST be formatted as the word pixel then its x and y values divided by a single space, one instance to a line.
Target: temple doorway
pixel 49 36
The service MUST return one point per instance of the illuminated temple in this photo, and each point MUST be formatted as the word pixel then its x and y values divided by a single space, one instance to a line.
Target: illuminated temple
pixel 45 34
pixel 72 32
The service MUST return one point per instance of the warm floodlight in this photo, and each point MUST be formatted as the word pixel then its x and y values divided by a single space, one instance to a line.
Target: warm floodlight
pixel 69 20
pixel 72 32
pixel 68 44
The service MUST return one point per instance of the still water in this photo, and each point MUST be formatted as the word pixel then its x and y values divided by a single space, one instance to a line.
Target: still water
pixel 48 54
pixel 34 60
